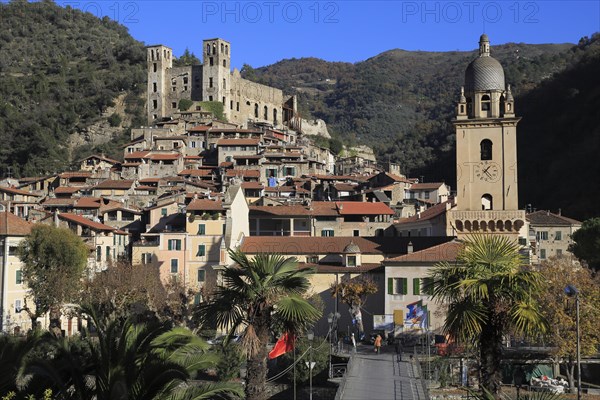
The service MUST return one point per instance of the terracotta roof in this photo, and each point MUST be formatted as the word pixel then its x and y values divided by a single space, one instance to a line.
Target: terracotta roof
pixel 174 137
pixel 150 180
pixel 443 252
pixel 328 269
pixel 250 157
pixel 252 185
pixel 67 190
pixel 237 142
pixel 58 202
pixel 136 154
pixel 199 128
pixel 392 246
pixel 162 156
pixel 114 184
pixel 226 164
pixel 87 202
pixel 430 213
pixel 193 157
pixel 247 173
pixel 205 205
pixel 550 219
pixel 195 172
pixel 340 178
pixel 144 187
pixel 280 189
pixel 426 186
pixel 346 187
pixel 317 208
pixel 363 208
pixel 11 225
pixel 78 174
pixel 79 220
pixel 131 164
pixel 17 191
pixel 103 158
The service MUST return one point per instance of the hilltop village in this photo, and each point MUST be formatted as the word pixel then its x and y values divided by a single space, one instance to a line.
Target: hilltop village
pixel 226 163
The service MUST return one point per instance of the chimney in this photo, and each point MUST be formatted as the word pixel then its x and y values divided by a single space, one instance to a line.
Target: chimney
pixel 409 248
pixel 559 212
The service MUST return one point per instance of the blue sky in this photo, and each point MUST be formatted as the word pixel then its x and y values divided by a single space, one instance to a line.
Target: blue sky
pixel 264 32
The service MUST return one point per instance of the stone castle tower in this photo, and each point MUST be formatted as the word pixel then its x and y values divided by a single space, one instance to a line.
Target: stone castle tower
pixel 486 151
pixel 243 101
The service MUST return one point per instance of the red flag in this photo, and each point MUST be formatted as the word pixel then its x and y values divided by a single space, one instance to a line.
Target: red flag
pixel 283 345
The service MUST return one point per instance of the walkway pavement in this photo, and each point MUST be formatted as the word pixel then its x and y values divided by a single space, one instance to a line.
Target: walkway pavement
pixel 385 376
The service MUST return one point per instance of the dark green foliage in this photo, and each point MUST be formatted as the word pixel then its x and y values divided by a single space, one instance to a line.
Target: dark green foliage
pixel 115 119
pixel 230 361
pixel 185 104
pixel 60 68
pixel 587 243
pixel 186 59
pixel 54 260
pixel 320 355
pixel 215 107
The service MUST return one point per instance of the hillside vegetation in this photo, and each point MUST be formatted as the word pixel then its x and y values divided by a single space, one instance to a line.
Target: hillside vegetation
pixel 60 69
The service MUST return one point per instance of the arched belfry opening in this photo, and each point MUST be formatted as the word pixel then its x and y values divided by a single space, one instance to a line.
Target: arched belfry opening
pixel 487 202
pixel 486 147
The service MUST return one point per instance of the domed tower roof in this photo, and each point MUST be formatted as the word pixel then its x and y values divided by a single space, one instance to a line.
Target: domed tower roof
pixel 352 248
pixel 485 72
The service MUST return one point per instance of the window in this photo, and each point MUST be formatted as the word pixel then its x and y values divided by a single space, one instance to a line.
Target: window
pixel 543 254
pixel 558 253
pixel 558 235
pixel 231 104
pixel 107 253
pixel 185 80
pixel 416 286
pixel 225 63
pixel 155 104
pixel 542 235
pixel 426 195
pixel 356 232
pixel 98 253
pixel 17 306
pixel 351 261
pixel 237 106
pixel 487 202
pixel 486 149
pixel 174 104
pixel 197 299
pixel 154 87
pixel 174 265
pixel 201 229
pixel 266 113
pixel 201 275
pixel 222 48
pixel 210 98
pixel 312 259
pixel 146 258
pixel 201 251
pixel 255 110
pixel 19 277
pixel 275 116
pixel 174 244
pixel 208 49
pixel 211 61
pixel 224 83
pixel 327 232
pixel 485 102
pixel 210 82
pixel 163 212
pixel 154 67
pixel 12 250
pixel 397 285
pixel 223 101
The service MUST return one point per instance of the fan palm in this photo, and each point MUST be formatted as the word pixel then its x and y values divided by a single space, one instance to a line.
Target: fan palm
pixel 489 294
pixel 128 360
pixel 258 294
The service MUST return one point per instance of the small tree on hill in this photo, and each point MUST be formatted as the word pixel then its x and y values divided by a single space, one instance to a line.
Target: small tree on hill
pixel 54 260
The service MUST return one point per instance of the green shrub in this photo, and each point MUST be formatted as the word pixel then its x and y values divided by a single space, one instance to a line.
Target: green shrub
pixel 115 120
pixel 185 104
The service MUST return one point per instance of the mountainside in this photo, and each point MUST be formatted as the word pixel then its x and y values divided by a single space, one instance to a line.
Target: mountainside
pixel 61 70
pixel 402 103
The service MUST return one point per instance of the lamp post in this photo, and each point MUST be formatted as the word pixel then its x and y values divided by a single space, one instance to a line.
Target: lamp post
pixel 310 336
pixel 571 291
pixel 332 320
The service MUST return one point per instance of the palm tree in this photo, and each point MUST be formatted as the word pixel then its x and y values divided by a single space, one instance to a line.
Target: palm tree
pixel 133 361
pixel 489 294
pixel 256 296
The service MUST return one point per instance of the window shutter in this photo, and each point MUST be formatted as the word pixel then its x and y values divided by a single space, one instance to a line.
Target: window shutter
pixel 404 285
pixel 416 286
pixel 170 245
pixel 201 229
pixel 19 277
pixel 390 285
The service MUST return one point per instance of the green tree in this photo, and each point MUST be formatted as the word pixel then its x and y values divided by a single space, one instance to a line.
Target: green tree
pixel 560 313
pixel 186 59
pixel 54 260
pixel 587 243
pixel 489 293
pixel 13 353
pixel 258 294
pixel 129 360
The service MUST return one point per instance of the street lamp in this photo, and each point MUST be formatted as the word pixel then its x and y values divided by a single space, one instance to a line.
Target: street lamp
pixel 332 320
pixel 310 364
pixel 571 291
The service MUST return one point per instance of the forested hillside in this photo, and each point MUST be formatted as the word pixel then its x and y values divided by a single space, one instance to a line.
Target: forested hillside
pixel 60 69
pixel 402 103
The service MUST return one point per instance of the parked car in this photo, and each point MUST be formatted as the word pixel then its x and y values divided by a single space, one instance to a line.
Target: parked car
pixel 221 339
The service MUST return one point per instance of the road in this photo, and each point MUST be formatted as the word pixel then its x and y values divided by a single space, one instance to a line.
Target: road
pixel 385 376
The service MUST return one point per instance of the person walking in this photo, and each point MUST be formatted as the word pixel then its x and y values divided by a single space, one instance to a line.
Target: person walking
pixel 353 343
pixel 378 344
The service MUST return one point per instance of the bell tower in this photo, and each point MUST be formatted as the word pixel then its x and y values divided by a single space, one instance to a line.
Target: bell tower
pixel 486 151
pixel 216 76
